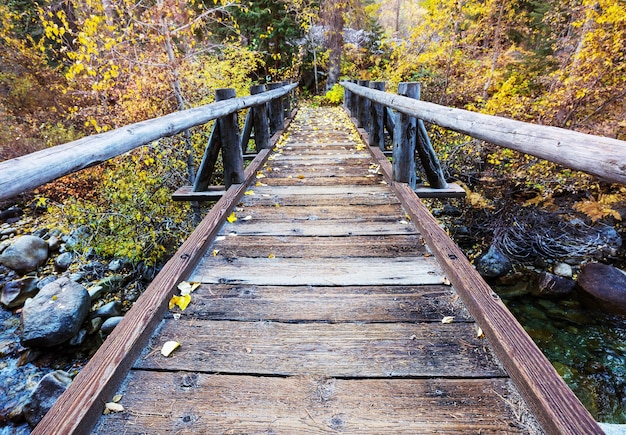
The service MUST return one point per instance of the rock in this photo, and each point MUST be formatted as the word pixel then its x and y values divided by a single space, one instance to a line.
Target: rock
pixel 607 240
pixel 111 309
pixel 79 338
pixel 551 285
pixel 451 210
pixel 94 325
pixel 15 293
pixel 54 243
pixel 10 214
pixel 45 281
pixel 109 324
pixel 564 270
pixel 63 261
pixel 56 314
pixel 603 287
pixel 3 245
pixel 493 264
pixel 116 265
pixel 44 395
pixel 26 254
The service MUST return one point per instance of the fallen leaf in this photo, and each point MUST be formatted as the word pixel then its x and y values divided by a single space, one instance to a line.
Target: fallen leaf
pixel 117 398
pixel 445 281
pixel 479 332
pixel 220 238
pixel 231 218
pixel 215 252
pixel 110 407
pixel 169 347
pixel 300 177
pixel 271 256
pixel 447 319
pixel 249 192
pixel 247 218
pixel 180 301
pixel 187 287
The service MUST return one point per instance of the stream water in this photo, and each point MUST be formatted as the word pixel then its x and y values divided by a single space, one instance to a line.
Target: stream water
pixel 587 348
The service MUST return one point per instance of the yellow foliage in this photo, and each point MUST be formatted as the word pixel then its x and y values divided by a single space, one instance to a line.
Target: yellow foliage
pixel 597 209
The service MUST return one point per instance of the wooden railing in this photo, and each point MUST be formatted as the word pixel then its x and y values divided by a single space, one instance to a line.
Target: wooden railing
pixel 33 170
pixel 600 156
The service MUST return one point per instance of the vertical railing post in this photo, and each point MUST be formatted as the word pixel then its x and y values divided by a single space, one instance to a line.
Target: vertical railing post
pixel 428 157
pixel 347 99
pixel 287 101
pixel 260 122
pixel 377 119
pixel 403 164
pixel 362 111
pixel 276 112
pixel 229 137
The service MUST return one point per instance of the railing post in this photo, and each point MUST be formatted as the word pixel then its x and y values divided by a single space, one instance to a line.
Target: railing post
pixel 377 119
pixel 404 141
pixel 347 99
pixel 229 137
pixel 428 157
pixel 277 112
pixel 362 109
pixel 261 125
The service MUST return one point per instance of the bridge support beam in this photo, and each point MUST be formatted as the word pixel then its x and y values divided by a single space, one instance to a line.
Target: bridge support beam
pixel 229 137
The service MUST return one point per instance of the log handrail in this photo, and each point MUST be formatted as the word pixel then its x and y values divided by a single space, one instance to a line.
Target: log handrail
pixel 33 170
pixel 600 156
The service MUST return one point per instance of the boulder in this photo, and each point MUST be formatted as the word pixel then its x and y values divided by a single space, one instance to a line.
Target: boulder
pixel 14 293
pixel 564 270
pixel 56 314
pixel 550 285
pixel 494 263
pixel 63 261
pixel 603 287
pixel 26 254
pixel 44 395
pixel 109 324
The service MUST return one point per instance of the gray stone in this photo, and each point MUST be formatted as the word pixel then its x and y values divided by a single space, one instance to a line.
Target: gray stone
pixel 603 287
pixel 15 293
pixel 564 270
pixel 95 292
pixel 44 395
pixel 79 338
pixel 56 314
pixel 3 245
pixel 63 261
pixel 94 325
pixel 46 280
pixel 493 264
pixel 111 309
pixel 27 253
pixel 54 243
pixel 116 265
pixel 109 324
pixel 551 285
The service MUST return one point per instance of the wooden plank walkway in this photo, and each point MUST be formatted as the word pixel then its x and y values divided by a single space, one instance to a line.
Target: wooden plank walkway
pixel 320 311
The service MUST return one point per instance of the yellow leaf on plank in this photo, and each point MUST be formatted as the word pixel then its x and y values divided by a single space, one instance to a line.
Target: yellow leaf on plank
pixel 271 256
pixel 169 347
pixel 249 192
pixel 231 218
pixel 180 301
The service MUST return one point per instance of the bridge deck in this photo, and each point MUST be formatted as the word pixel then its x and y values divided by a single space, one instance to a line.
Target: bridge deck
pixel 320 310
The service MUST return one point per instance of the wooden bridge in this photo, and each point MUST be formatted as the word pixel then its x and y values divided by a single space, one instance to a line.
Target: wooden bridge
pixel 330 301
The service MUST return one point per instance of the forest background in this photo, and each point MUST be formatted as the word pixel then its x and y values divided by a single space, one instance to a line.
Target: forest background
pixel 71 68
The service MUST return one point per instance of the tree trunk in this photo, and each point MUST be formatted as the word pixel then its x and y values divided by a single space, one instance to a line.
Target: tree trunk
pixel 332 14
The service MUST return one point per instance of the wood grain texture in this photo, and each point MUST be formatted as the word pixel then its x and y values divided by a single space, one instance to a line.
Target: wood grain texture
pixel 311 247
pixel 371 350
pixel 555 405
pixel 326 304
pixel 30 171
pixel 79 407
pixel 218 404
pixel 568 148
pixel 320 271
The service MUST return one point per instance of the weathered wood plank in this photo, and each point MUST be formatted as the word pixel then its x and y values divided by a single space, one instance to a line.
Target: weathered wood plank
pixel 329 247
pixel 568 148
pixel 79 407
pixel 324 177
pixel 359 213
pixel 293 198
pixel 218 404
pixel 322 271
pixel 321 228
pixel 326 304
pixel 33 170
pixel 371 350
